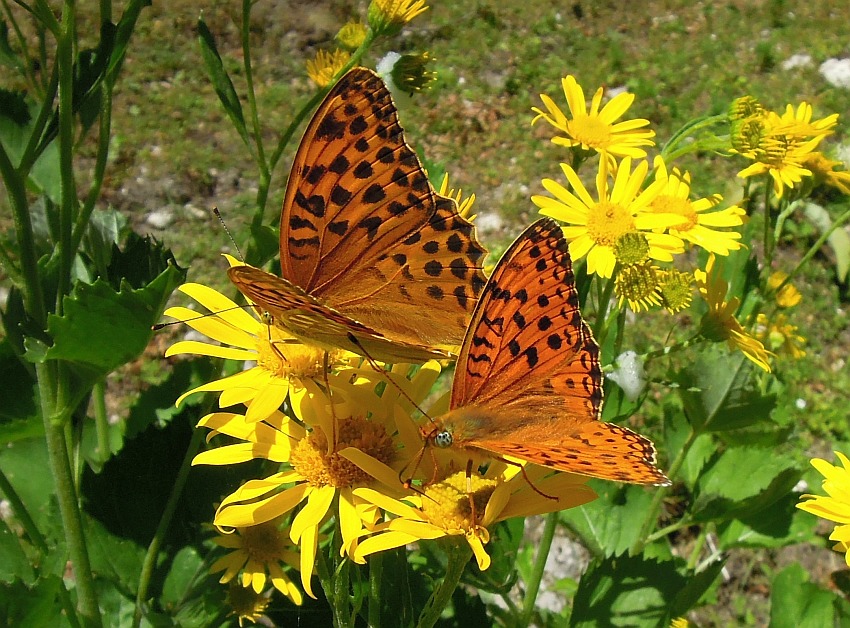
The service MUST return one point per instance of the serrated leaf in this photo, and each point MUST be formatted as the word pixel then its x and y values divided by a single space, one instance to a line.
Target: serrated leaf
pixel 221 81
pixel 102 329
pixel 797 603
pixel 741 482
pixel 627 591
pixel 607 524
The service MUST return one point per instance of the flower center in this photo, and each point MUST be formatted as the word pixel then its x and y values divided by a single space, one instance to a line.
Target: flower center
pixel 675 290
pixel 607 221
pixel 631 248
pixel 311 459
pixel 288 360
pixel 590 131
pixel 448 505
pixel 638 285
pixel 263 543
pixel 665 204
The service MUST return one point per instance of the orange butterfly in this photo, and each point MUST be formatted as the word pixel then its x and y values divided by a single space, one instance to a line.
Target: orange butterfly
pixel 372 259
pixel 528 382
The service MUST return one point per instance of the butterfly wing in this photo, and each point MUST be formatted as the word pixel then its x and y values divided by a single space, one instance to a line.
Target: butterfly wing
pixel 528 382
pixel 312 321
pixel 364 232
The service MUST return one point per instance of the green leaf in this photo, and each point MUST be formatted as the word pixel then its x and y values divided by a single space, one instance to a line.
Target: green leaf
pixel 102 234
pixel 102 329
pixel 629 591
pixel 716 394
pixel 607 525
pixel 221 81
pixel 741 482
pixel 19 401
pixel 114 558
pixel 26 466
pixel 14 564
pixel 778 525
pixel 15 135
pixel 797 603
pixel 22 605
pixel 677 431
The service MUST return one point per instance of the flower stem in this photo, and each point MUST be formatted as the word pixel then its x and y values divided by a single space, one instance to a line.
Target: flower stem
pixel 101 421
pixel 651 515
pixel 55 417
pixel 164 522
pixel 768 232
pixel 533 585
pixel 459 555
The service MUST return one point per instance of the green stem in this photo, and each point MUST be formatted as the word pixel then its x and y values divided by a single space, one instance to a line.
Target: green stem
pixel 164 522
pixel 687 131
pixel 532 587
pixel 104 135
pixel 459 554
pixel 673 527
pixel 651 515
pixel 326 580
pixel 16 192
pixel 697 549
pixel 600 326
pixel 35 147
pixel 376 573
pixel 249 80
pixel 768 232
pixel 55 417
pixel 843 218
pixel 101 421
pixel 68 203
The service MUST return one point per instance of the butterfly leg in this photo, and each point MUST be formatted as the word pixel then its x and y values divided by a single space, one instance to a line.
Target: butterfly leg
pixel 526 478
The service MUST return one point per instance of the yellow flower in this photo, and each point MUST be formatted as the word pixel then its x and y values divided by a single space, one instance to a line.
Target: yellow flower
pixel 258 552
pixel 674 288
pixel 596 129
pixel 325 66
pixel 596 225
pixel 351 35
pixel 446 507
pixel 464 205
pixel 679 622
pixel 410 73
pixel 282 365
pixel 779 144
pixel 699 226
pixel 364 425
pixel 386 17
pixel 780 336
pixel 246 604
pixel 835 506
pixel 788 295
pixel 719 323
pixel 828 172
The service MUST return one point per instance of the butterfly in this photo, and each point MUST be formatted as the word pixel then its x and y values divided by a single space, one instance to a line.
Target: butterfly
pixel 528 383
pixel 372 259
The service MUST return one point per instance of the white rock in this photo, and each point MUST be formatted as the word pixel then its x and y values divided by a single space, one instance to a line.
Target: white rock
pixel 797 61
pixel 836 72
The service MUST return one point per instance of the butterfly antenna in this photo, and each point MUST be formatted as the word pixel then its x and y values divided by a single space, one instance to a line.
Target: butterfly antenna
pixel 227 231
pixel 159 326
pixel 374 364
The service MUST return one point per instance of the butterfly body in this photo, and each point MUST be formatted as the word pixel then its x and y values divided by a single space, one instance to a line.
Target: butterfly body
pixel 528 383
pixel 372 259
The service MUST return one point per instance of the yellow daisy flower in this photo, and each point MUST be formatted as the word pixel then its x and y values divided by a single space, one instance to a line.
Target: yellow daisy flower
pixel 780 336
pixel 596 129
pixel 258 552
pixel 364 425
pixel 386 17
pixel 827 171
pixel 594 226
pixel 639 285
pixel 788 295
pixel 324 67
pixel 835 505
pixel 719 323
pixel 282 364
pixel 446 507
pixel 245 604
pixel 779 144
pixel 700 225
pixel 351 35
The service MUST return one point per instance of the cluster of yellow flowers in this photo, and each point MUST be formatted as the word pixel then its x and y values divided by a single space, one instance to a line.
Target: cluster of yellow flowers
pixel 633 223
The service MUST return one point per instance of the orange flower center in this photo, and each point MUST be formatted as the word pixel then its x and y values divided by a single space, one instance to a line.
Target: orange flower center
pixel 590 131
pixel 607 221
pixel 666 204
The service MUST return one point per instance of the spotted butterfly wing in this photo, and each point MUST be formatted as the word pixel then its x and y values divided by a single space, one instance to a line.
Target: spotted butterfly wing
pixel 372 259
pixel 528 382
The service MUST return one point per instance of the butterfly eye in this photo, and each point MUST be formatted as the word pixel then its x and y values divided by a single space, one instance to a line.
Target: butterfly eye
pixel 443 439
